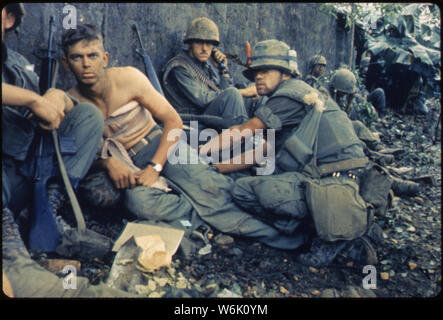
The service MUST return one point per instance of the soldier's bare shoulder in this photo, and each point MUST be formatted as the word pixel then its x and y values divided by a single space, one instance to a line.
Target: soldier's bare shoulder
pixel 124 76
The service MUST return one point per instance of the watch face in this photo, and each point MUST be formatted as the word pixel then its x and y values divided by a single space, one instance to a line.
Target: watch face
pixel 157 167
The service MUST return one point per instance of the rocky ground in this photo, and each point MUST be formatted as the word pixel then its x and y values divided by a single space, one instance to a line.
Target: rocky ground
pixel 409 259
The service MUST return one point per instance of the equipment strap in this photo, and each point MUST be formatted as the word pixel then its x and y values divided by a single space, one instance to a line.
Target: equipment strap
pixel 347 164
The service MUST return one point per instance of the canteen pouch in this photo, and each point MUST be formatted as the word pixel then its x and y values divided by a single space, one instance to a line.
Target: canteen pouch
pixel 338 210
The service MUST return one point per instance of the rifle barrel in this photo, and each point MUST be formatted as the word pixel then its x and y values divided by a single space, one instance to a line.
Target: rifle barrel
pixel 139 38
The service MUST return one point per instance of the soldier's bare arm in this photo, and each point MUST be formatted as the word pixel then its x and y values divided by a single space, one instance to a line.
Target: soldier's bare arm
pixel 140 89
pixel 51 114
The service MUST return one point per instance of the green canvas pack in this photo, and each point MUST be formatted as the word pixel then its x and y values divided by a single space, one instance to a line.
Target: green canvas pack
pixel 338 210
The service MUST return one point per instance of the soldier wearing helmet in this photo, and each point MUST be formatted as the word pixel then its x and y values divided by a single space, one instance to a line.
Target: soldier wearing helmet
pixel 197 80
pixel 280 199
pixel 274 70
pixel 343 89
pixel 316 69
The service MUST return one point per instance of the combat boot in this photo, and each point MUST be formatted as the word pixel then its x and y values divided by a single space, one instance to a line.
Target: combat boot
pixel 12 243
pixel 29 279
pixel 75 244
pixel 375 234
pixel 393 151
pixel 361 251
pixel 322 253
pixel 374 145
pixel 56 200
pixel 404 187
pixel 382 159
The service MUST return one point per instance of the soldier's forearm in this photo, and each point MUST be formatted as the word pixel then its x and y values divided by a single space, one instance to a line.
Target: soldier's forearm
pixel 171 133
pixel 18 97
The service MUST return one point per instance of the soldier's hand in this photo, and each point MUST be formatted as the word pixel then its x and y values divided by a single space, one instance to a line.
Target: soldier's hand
pixel 147 177
pixel 120 174
pixel 59 98
pixel 50 114
pixel 249 92
pixel 219 56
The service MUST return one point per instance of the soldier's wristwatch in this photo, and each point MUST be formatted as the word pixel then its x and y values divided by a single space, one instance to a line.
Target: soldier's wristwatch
pixel 156 166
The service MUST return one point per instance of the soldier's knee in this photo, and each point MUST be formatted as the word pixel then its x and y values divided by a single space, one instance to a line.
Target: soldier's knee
pixel 233 93
pixel 140 201
pixel 242 189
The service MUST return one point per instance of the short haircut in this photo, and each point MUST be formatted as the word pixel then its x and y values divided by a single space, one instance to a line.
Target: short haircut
pixel 88 32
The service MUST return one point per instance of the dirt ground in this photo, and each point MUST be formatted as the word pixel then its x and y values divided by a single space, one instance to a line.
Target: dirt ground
pixel 409 259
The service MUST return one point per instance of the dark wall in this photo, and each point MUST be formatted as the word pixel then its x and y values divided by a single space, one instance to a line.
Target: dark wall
pixel 162 25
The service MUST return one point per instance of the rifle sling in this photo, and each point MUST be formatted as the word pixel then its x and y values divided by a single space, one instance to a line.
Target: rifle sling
pixel 81 225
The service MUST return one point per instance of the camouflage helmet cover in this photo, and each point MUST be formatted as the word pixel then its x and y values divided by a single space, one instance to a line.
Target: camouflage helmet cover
pixel 272 54
pixel 317 59
pixel 344 80
pixel 202 29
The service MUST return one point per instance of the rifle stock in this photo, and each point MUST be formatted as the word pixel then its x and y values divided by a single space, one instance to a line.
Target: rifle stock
pixel 43 233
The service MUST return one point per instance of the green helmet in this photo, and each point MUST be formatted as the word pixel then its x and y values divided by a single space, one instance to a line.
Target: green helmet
pixel 272 54
pixel 202 29
pixel 344 80
pixel 18 10
pixel 317 59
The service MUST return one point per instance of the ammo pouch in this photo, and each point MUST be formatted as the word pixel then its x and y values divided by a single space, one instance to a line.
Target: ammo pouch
pixel 338 210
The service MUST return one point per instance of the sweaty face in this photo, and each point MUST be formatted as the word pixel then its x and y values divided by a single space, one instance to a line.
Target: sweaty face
pixel 87 60
pixel 201 50
pixel 266 81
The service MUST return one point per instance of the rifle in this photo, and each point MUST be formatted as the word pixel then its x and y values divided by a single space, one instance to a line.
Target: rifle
pixel 43 234
pixel 208 120
pixel 149 68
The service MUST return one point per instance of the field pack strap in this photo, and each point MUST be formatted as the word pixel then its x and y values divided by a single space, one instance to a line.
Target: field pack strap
pixel 348 164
